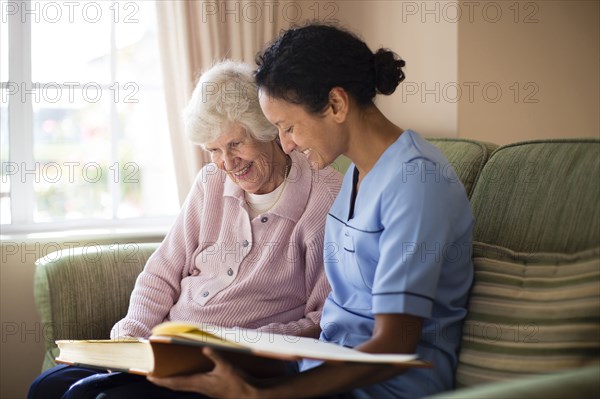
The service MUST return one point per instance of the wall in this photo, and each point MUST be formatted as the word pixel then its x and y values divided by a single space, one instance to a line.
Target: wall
pixel 427 43
pixel 539 63
pixel 499 71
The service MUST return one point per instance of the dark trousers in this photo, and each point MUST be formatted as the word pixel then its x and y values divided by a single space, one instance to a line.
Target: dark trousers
pixel 70 382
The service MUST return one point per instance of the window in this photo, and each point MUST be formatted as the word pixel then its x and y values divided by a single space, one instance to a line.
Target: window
pixel 84 137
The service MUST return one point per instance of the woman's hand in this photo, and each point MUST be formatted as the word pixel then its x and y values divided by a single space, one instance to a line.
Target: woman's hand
pixel 224 381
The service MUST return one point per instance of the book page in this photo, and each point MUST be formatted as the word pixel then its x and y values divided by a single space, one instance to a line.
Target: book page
pixel 131 355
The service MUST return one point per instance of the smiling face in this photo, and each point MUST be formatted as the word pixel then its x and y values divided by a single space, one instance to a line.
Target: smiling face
pixel 316 136
pixel 256 166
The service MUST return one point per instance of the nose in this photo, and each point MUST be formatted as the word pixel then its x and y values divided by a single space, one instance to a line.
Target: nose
pixel 287 143
pixel 229 162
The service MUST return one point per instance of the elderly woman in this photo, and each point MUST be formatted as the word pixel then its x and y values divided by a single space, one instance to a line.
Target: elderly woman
pixel 246 249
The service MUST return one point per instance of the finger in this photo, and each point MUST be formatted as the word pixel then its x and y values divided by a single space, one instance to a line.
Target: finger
pixel 190 382
pixel 211 353
pixel 215 357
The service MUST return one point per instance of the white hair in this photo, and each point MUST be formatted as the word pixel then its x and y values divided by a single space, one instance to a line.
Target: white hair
pixel 225 94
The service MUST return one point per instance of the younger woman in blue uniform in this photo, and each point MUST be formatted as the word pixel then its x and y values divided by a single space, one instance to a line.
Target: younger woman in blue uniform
pixel 398 237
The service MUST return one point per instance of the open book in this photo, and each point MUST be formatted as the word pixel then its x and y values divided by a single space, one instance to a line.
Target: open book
pixel 176 348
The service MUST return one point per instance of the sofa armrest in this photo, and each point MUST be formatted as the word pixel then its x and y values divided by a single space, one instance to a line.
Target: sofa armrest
pixel 582 382
pixel 80 293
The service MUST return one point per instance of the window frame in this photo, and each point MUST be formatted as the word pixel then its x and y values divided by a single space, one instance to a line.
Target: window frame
pixel 21 142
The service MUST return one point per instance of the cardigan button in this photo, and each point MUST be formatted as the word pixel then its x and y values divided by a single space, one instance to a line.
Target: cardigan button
pixel 245 243
pixel 264 219
pixel 205 294
pixel 230 272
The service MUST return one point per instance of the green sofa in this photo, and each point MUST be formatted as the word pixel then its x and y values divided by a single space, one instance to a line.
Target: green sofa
pixel 533 328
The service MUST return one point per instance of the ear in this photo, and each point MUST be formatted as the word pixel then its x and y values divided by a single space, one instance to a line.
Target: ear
pixel 339 103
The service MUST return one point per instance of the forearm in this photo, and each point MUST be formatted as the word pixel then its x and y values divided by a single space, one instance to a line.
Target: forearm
pixel 136 326
pixel 333 378
pixel 149 304
pixel 328 379
pixel 138 322
pixel 158 287
pixel 305 327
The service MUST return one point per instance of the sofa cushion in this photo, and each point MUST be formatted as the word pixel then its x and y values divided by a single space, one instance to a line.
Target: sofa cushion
pixel 540 196
pixel 466 156
pixel 529 313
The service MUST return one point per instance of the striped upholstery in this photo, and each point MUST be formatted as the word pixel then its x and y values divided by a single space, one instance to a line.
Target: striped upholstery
pixel 535 302
pixel 530 314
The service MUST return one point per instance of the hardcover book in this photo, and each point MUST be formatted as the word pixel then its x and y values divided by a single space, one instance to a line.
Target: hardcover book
pixel 176 348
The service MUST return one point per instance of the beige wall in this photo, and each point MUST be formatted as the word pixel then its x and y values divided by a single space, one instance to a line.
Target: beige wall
pixel 544 56
pixel 429 46
pixel 499 71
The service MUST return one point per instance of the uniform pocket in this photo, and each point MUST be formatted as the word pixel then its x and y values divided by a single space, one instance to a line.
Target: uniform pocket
pixel 361 249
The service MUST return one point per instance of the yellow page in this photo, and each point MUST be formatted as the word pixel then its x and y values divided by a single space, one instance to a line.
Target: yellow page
pixel 208 333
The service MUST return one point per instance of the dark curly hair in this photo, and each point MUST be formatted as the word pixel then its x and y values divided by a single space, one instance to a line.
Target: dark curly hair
pixel 303 64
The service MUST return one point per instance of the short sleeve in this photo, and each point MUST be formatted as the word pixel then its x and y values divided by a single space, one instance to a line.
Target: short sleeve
pixel 416 219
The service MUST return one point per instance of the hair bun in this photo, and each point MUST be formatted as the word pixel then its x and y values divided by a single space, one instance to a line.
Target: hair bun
pixel 388 71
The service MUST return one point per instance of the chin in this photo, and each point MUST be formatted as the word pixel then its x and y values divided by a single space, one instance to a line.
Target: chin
pixel 249 189
pixel 319 164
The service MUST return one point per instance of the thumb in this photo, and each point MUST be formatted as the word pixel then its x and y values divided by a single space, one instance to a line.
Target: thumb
pixel 215 357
